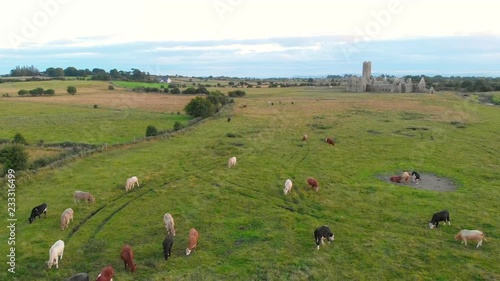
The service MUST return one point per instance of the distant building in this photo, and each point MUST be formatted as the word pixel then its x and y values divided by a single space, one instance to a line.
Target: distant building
pixel 366 83
pixel 164 79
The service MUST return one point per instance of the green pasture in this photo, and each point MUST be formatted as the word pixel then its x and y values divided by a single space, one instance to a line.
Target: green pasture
pixel 134 84
pixel 249 230
pixel 54 123
pixel 60 87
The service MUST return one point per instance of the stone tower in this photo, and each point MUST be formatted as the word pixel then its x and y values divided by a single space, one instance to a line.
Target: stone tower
pixel 367 71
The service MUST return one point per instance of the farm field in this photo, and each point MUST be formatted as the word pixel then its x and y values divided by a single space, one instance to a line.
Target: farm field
pixel 249 230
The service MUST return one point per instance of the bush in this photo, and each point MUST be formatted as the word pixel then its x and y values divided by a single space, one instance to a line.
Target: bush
pixel 151 131
pixel 14 157
pixel 23 92
pixel 110 87
pixel 175 91
pixel 178 126
pixel 19 139
pixel 71 90
pixel 237 93
pixel 200 107
pixel 49 92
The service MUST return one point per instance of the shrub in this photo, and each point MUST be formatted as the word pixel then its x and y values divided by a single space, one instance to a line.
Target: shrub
pixel 19 139
pixel 110 87
pixel 71 90
pixel 200 107
pixel 23 92
pixel 151 131
pixel 49 92
pixel 178 126
pixel 237 93
pixel 14 157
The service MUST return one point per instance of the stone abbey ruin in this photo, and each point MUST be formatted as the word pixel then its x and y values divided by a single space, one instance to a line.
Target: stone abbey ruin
pixel 367 83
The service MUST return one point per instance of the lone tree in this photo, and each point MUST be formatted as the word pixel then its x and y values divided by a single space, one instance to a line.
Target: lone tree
pixel 151 131
pixel 200 107
pixel 14 156
pixel 71 90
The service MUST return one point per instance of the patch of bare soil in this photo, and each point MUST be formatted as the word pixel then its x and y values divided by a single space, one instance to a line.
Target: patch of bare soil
pixel 427 182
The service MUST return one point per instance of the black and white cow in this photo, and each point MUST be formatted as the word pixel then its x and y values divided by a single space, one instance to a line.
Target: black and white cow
pixel 321 233
pixel 37 211
pixel 79 277
pixel 167 246
pixel 440 216
pixel 415 176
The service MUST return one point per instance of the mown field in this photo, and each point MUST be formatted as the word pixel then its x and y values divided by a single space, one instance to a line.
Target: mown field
pixel 248 229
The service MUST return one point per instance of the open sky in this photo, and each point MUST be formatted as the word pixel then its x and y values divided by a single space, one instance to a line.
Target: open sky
pixel 254 38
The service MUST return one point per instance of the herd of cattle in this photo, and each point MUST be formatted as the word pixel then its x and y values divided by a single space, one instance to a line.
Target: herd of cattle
pixel 127 254
pixel 320 234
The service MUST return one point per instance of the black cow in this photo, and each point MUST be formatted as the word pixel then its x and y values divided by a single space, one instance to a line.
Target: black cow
pixel 37 211
pixel 440 216
pixel 321 233
pixel 167 246
pixel 415 176
pixel 228 119
pixel 79 277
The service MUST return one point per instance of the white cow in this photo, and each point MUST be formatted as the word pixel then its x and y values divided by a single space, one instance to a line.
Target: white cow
pixel 129 184
pixel 168 220
pixel 288 186
pixel 66 216
pixel 231 162
pixel 55 252
pixel 475 235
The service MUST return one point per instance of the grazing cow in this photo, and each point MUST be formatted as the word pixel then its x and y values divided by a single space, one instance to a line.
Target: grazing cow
pixel 127 256
pixel 168 220
pixel 329 141
pixel 268 102
pixel 37 212
pixel 79 277
pixel 288 186
pixel 406 177
pixel 397 179
pixel 167 246
pixel 231 162
pixel 79 195
pixel 129 184
pixel 228 119
pixel 321 233
pixel 444 216
pixel 304 138
pixel 66 216
pixel 55 252
pixel 313 184
pixel 474 235
pixel 193 241
pixel 106 274
pixel 415 176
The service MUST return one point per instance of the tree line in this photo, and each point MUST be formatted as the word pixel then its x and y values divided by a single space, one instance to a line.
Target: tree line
pixel 97 73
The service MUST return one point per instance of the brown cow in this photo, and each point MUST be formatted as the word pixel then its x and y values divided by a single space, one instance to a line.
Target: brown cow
pixel 313 183
pixel 304 138
pixel 193 241
pixel 329 141
pixel 127 256
pixel 397 179
pixel 475 235
pixel 106 274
